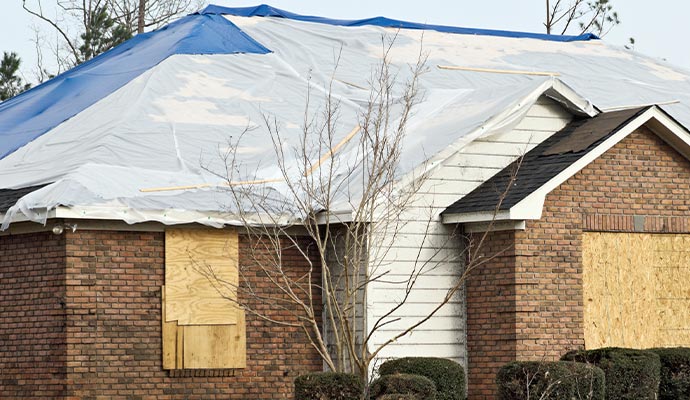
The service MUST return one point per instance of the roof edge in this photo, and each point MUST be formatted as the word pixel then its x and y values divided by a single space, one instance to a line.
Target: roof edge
pixel 265 10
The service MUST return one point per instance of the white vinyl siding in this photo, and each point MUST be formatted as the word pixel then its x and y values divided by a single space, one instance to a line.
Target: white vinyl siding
pixel 424 239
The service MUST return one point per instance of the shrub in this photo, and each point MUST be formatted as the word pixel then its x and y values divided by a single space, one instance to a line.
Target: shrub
pixel 550 380
pixel 328 386
pixel 630 373
pixel 675 373
pixel 397 397
pixel 447 375
pixel 420 387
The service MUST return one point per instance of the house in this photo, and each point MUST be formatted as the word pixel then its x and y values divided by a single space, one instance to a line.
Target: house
pixel 563 161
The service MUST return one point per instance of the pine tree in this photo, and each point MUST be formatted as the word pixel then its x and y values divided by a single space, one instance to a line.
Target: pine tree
pixel 596 16
pixel 101 34
pixel 10 83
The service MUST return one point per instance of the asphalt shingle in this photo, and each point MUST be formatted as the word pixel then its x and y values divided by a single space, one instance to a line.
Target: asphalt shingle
pixel 9 197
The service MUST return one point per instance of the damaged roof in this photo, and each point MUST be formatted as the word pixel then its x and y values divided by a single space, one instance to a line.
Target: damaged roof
pixel 144 126
pixel 8 197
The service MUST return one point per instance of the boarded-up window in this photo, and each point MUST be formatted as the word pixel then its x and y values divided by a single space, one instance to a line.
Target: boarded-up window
pixel 203 327
pixel 636 290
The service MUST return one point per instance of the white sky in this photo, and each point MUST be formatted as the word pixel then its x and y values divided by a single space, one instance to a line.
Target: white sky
pixel 660 30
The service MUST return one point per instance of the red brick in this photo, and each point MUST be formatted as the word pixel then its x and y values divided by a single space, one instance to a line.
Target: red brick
pixel 80 317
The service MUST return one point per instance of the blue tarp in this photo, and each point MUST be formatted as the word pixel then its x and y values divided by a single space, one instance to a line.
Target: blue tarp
pixel 33 113
pixel 265 10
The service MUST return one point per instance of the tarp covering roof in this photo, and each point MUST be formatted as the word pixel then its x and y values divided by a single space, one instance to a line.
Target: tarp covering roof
pixel 265 10
pixel 166 117
pixel 29 115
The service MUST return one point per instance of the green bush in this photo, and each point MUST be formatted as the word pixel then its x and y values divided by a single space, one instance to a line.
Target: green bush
pixel 328 386
pixel 397 397
pixel 558 380
pixel 447 375
pixel 420 387
pixel 630 374
pixel 675 373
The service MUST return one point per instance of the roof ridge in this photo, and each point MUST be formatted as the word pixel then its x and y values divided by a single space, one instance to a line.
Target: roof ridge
pixel 265 10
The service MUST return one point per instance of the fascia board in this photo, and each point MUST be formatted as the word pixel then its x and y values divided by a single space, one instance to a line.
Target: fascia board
pixel 482 216
pixel 474 227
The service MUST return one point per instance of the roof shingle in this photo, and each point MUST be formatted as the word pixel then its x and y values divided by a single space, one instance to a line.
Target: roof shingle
pixel 9 197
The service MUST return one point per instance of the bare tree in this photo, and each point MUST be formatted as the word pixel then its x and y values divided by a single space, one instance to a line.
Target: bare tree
pixel 85 28
pixel 346 254
pixel 582 16
pixel 141 15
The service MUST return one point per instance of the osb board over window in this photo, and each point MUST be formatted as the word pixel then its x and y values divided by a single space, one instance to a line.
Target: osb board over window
pixel 201 276
pixel 203 327
pixel 636 290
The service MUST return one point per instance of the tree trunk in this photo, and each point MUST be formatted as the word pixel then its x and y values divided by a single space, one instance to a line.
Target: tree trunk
pixel 141 15
pixel 548 18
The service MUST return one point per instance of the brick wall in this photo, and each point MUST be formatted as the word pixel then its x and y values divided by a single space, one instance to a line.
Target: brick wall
pixel 32 316
pixel 490 294
pixel 111 329
pixel 641 176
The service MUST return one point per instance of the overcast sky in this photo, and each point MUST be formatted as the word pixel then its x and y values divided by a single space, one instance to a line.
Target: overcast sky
pixel 660 28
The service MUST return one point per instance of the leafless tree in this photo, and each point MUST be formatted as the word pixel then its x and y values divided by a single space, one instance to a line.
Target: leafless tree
pixel 74 31
pixel 346 254
pixel 141 15
pixel 582 16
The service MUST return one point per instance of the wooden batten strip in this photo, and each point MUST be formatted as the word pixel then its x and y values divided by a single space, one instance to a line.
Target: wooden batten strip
pixel 618 108
pixel 497 71
pixel 332 151
pixel 348 83
pixel 208 185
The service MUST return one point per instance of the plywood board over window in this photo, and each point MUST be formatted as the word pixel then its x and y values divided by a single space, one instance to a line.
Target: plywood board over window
pixel 203 326
pixel 636 290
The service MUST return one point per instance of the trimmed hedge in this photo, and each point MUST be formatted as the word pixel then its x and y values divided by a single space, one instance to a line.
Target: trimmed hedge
pixel 675 373
pixel 630 374
pixel 397 397
pixel 447 375
pixel 420 387
pixel 557 380
pixel 328 386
